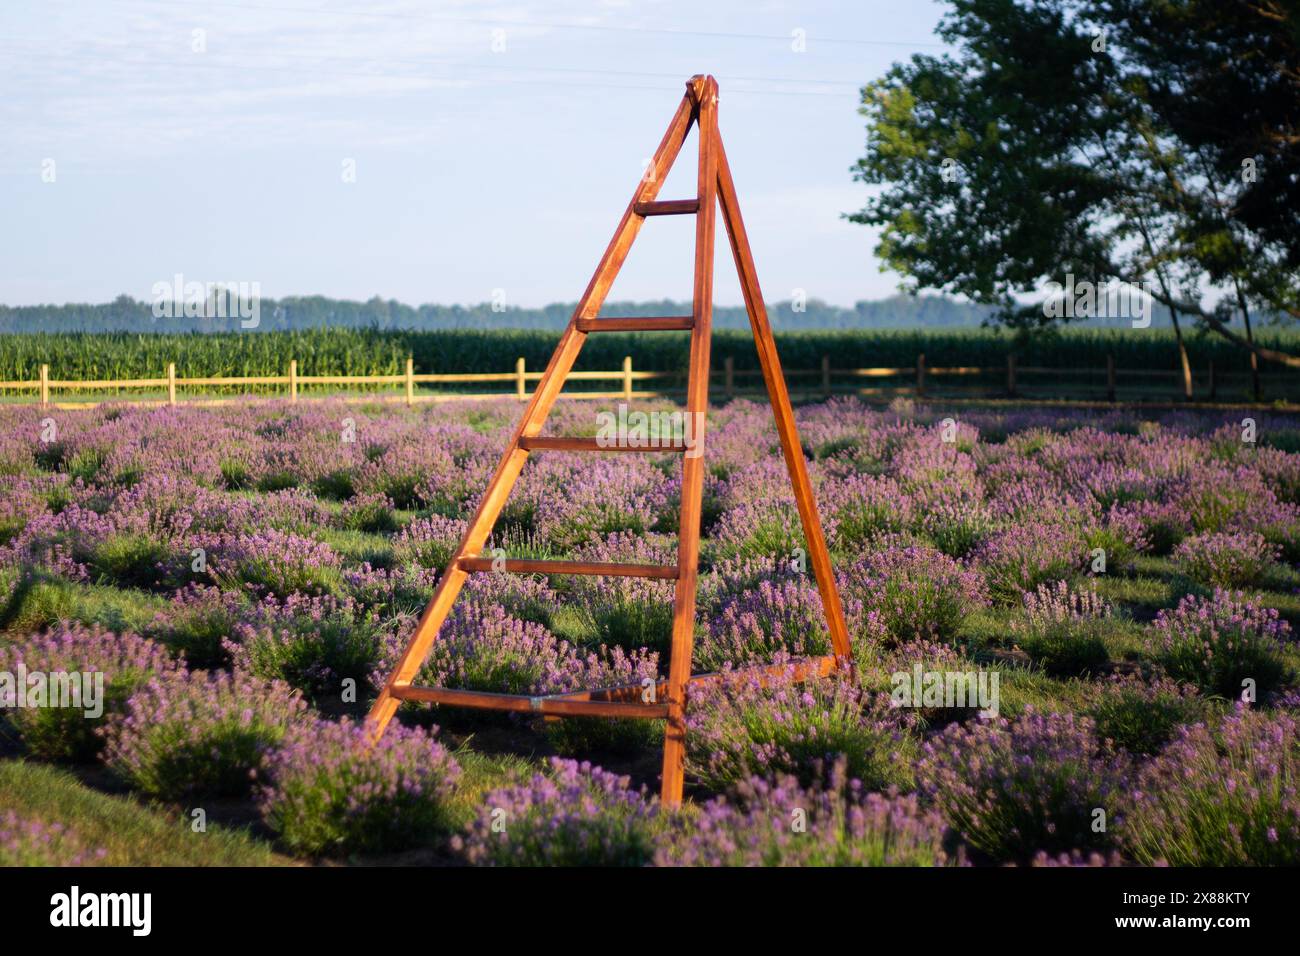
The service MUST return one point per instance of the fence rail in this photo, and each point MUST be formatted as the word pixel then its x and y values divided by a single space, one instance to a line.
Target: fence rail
pixel 825 381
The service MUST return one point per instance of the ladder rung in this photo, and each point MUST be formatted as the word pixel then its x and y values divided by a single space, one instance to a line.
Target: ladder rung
pixel 633 323
pixel 529 566
pixel 543 704
pixel 799 668
pixel 670 207
pixel 590 444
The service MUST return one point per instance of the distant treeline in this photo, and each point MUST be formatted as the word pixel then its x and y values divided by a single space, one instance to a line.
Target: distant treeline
pixel 375 352
pixel 125 314
pixel 313 312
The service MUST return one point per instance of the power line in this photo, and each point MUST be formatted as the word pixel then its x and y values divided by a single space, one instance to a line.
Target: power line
pixel 204 61
pixel 543 24
pixel 460 64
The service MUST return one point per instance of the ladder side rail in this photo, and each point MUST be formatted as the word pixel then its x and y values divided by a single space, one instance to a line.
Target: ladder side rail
pixel 705 91
pixel 770 363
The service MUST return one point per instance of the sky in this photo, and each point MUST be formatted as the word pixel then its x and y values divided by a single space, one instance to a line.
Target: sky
pixel 424 151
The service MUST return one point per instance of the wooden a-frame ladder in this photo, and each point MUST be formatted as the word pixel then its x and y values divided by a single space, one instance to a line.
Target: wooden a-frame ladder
pixel 699 107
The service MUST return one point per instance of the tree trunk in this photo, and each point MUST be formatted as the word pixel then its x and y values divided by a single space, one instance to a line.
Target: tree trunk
pixel 1254 358
pixel 1182 355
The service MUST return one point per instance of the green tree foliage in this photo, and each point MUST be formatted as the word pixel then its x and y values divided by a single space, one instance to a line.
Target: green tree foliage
pixel 1112 140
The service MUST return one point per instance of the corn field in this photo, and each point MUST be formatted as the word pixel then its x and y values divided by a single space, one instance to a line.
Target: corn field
pixel 373 352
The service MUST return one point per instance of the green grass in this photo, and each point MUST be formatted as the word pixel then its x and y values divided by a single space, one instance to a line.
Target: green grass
pixel 356 547
pixel 1021 687
pixel 480 774
pixel 133 833
pixel 44 602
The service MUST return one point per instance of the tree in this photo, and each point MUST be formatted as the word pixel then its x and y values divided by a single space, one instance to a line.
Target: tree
pixel 1097 139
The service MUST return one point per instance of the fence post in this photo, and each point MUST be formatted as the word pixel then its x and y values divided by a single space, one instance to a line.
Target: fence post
pixel 1110 377
pixel 171 383
pixel 826 376
pixel 1011 375
pixel 1214 389
pixel 293 380
pixel 627 378
pixel 920 375
pixel 729 376
pixel 410 381
pixel 521 386
pixel 45 385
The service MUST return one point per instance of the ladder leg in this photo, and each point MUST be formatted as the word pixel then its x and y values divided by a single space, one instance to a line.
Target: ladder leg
pixel 530 425
pixel 697 403
pixel 783 412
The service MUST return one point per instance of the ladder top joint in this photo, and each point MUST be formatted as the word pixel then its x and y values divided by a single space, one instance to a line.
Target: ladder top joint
pixel 702 88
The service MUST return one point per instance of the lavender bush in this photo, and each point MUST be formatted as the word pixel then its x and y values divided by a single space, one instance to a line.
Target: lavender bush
pixel 1225 795
pixel 429 542
pixel 1226 559
pixel 771 722
pixel 1063 629
pixel 1141 716
pixel 918 593
pixel 200 734
pixel 332 790
pixel 774 617
pixel 1014 788
pixel 627 612
pixel 125 661
pixel 1219 642
pixel 371 512
pixel 314 644
pixel 198 624
pixel 783 824
pixel 575 815
pixel 1028 555
pixel 277 562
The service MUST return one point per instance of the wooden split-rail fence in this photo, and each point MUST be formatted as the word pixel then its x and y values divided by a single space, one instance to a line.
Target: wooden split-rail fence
pixel 824 381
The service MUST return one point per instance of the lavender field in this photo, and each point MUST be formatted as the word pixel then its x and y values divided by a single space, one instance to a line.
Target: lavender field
pixel 1074 639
